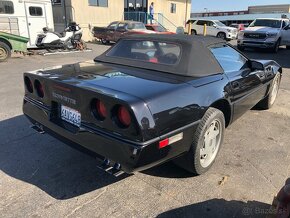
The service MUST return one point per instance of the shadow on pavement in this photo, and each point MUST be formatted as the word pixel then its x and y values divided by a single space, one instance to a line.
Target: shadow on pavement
pixel 55 168
pixel 220 208
pixel 168 170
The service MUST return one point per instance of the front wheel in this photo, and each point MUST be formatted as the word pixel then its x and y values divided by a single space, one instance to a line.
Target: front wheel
pixel 222 36
pixel 104 41
pixel 5 51
pixel 277 46
pixel 269 101
pixel 207 141
pixel 241 48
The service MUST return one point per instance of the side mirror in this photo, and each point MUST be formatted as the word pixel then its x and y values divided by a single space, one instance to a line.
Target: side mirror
pixel 287 27
pixel 214 25
pixel 256 66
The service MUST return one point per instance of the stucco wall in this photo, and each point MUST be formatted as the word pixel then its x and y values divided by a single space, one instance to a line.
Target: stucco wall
pixel 178 18
pixel 86 15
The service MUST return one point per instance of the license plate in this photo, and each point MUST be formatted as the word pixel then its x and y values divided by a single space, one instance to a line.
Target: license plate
pixel 70 115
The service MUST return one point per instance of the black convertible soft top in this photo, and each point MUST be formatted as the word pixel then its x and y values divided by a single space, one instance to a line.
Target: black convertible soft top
pixel 196 58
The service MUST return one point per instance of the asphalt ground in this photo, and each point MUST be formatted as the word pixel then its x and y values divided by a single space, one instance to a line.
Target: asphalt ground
pixel 42 177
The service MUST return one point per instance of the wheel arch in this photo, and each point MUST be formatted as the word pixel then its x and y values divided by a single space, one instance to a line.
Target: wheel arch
pixel 224 106
pixel 6 42
pixel 221 32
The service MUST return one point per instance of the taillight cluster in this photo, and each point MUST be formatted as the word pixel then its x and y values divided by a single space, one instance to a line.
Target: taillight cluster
pixel 38 86
pixel 119 114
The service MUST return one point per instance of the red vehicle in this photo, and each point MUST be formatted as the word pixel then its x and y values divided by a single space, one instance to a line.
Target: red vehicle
pixel 119 29
pixel 238 26
pixel 158 29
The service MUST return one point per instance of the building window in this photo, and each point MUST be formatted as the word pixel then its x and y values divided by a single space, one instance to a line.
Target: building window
pixel 6 7
pixel 173 8
pixel 99 3
pixel 56 2
pixel 35 11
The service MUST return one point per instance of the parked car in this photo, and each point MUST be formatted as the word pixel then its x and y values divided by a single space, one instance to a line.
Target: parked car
pixel 158 29
pixel 151 99
pixel 267 33
pixel 118 29
pixel 239 27
pixel 214 28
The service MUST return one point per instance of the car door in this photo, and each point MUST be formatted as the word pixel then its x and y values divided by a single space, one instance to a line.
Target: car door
pixel 111 31
pixel 211 30
pixel 199 26
pixel 285 39
pixel 246 86
pixel 36 20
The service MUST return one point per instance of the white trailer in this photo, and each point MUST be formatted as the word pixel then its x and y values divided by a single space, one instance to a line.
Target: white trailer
pixel 26 18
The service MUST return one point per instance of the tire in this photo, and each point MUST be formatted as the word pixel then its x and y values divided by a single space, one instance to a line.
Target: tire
pixel 104 41
pixel 193 32
pixel 241 48
pixel 221 35
pixel 269 101
pixel 195 161
pixel 84 44
pixel 5 52
pixel 276 47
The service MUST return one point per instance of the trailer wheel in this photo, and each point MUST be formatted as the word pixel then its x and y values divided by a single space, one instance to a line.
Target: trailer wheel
pixel 5 51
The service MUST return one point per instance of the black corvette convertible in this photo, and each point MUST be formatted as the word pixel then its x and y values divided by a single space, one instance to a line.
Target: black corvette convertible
pixel 150 99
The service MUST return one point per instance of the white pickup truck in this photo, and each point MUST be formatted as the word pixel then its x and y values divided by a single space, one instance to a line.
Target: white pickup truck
pixel 265 33
pixel 214 28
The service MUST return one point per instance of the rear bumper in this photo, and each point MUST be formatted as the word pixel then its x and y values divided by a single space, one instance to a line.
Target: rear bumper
pixel 133 156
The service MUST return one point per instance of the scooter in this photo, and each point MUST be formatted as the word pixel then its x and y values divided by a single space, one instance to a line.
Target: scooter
pixel 68 40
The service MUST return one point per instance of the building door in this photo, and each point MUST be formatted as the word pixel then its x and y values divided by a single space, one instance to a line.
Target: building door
pixel 136 10
pixel 36 20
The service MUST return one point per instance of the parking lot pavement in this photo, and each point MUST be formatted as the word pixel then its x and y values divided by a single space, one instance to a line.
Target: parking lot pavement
pixel 42 177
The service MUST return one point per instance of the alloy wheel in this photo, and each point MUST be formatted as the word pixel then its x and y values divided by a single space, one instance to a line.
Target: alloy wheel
pixel 212 141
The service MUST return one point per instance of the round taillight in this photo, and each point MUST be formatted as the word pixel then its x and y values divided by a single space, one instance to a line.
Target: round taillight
pixel 28 84
pixel 99 109
pixel 39 88
pixel 124 117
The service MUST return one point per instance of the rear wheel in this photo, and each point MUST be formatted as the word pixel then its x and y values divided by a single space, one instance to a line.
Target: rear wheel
pixel 207 141
pixel 269 101
pixel 193 32
pixel 84 45
pixel 221 35
pixel 5 51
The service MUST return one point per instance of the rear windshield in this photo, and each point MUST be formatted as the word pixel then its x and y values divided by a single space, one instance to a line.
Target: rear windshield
pixel 267 23
pixel 136 26
pixel 147 51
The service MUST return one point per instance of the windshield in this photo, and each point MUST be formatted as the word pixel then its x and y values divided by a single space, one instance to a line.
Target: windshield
pixel 147 51
pixel 136 26
pixel 219 23
pixel 267 23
